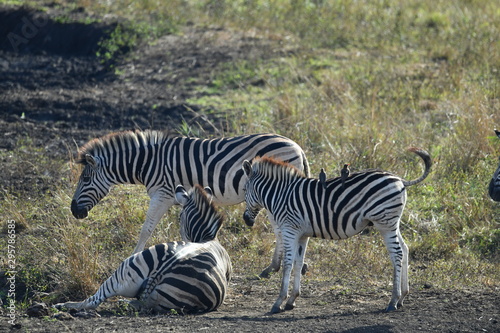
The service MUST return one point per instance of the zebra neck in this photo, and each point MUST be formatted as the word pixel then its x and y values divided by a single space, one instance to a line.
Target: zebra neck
pixel 277 188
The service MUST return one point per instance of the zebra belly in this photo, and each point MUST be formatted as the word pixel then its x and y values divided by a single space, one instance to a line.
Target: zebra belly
pixel 331 230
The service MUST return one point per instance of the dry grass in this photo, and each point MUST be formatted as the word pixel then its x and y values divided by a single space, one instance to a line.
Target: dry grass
pixel 370 81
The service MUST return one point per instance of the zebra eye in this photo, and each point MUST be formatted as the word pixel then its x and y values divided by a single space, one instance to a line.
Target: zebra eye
pixel 86 179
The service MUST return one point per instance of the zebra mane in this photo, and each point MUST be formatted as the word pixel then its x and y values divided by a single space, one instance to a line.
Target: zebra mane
pixel 96 147
pixel 204 221
pixel 275 168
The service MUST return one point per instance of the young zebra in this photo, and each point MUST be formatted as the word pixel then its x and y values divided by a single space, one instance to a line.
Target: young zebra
pixel 301 207
pixel 159 162
pixel 494 188
pixel 189 276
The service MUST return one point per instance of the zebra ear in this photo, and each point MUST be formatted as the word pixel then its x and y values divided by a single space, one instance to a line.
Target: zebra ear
pixel 247 168
pixel 497 132
pixel 90 160
pixel 209 192
pixel 181 195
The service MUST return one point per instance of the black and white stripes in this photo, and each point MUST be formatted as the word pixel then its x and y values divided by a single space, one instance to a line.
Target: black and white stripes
pixel 188 276
pixel 160 163
pixel 494 187
pixel 301 207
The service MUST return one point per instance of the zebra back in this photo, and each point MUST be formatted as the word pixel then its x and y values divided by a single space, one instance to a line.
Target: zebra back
pixel 119 141
pixel 200 220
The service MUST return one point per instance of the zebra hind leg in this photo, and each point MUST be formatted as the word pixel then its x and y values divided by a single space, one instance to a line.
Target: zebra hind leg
pixel 397 254
pixel 405 288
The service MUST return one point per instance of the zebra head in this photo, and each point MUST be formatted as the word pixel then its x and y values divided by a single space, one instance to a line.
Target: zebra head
pixel 253 205
pixel 200 220
pixel 92 186
pixel 494 188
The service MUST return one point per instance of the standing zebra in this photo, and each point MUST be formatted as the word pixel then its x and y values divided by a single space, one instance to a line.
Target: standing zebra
pixel 160 163
pixel 300 208
pixel 189 276
pixel 494 188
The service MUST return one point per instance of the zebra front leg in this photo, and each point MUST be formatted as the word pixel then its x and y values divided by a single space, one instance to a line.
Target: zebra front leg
pixel 158 206
pixel 85 305
pixel 289 249
pixel 128 280
pixel 299 262
pixel 90 303
pixel 277 255
pixel 278 252
pixel 276 261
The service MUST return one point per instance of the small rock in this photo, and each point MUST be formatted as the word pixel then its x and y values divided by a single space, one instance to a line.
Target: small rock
pixel 38 310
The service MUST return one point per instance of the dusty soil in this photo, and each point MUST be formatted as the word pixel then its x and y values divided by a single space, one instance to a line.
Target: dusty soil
pixel 55 94
pixel 318 310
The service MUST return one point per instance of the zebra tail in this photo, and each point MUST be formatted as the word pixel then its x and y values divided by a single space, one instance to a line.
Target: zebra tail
pixel 307 172
pixel 427 161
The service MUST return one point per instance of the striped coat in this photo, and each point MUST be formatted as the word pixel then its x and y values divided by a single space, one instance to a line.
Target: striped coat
pixel 188 276
pixel 160 163
pixel 301 207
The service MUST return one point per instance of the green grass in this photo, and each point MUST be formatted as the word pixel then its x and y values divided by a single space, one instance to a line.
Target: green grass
pixel 368 80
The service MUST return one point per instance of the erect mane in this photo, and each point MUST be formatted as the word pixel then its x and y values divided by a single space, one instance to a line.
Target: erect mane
pixel 275 168
pixel 95 147
pixel 208 218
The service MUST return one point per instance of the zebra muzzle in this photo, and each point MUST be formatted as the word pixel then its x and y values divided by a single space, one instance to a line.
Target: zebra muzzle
pixel 78 212
pixel 494 191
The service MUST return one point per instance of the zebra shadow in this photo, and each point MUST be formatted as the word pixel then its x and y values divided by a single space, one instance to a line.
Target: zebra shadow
pixel 277 319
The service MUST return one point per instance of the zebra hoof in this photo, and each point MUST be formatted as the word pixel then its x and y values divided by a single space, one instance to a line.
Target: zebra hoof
pixel 304 270
pixel 264 275
pixel 136 305
pixel 276 309
pixel 289 306
pixel 58 306
pixel 390 308
pixel 249 221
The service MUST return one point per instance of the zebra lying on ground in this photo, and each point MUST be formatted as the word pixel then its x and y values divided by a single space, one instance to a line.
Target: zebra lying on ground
pixel 188 276
pixel 494 188
pixel 301 207
pixel 160 163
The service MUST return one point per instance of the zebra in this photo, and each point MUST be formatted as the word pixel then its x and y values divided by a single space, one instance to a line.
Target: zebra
pixel 494 188
pixel 159 162
pixel 189 276
pixel 299 208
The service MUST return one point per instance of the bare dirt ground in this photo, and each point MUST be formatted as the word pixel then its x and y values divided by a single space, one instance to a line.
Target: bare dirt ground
pixel 55 94
pixel 318 310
